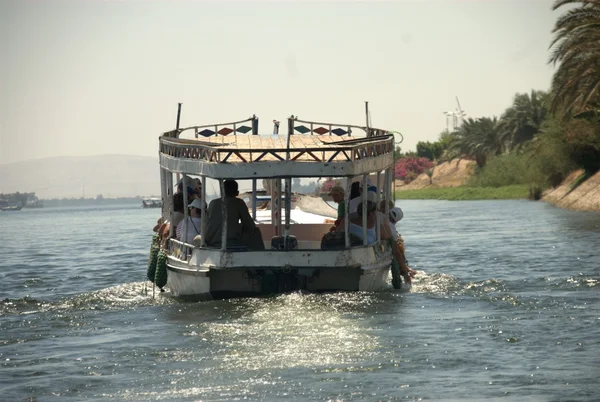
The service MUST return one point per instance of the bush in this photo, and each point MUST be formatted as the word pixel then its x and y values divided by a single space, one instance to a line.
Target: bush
pixel 328 185
pixel 545 162
pixel 407 169
pixel 504 170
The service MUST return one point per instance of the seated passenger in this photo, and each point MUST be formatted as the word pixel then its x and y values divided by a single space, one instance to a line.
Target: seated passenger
pixel 394 216
pixel 355 193
pixel 241 230
pixel 194 223
pixel 177 208
pixel 355 227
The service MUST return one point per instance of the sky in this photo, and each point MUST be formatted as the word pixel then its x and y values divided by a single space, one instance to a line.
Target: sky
pixel 81 78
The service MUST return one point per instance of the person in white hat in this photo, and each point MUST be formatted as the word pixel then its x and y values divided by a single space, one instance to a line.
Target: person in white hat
pixel 395 215
pixel 194 223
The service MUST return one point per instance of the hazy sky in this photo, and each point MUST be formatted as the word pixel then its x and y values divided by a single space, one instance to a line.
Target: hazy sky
pixel 100 77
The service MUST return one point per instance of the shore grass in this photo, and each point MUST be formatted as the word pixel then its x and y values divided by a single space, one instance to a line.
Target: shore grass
pixel 466 193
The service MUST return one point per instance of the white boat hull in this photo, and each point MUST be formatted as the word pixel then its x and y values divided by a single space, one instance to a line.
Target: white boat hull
pixel 212 273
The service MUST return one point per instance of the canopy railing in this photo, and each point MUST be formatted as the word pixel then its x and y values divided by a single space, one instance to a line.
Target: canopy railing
pixel 208 130
pixel 341 151
pixel 297 126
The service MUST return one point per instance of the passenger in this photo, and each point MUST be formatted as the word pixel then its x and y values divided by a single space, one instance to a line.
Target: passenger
pixel 197 187
pixel 355 223
pixel 241 229
pixel 178 211
pixel 194 223
pixel 355 193
pixel 394 216
pixel 337 195
pixel 355 226
pixel 192 185
pixel 357 199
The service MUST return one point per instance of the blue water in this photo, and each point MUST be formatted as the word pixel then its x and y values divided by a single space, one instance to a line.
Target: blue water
pixel 506 306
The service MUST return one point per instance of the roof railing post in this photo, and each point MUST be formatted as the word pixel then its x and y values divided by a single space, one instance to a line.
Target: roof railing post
pixel 183 237
pixel 224 216
pixel 363 196
pixel 254 199
pixel 203 217
pixel 171 206
pixel 346 211
pixel 254 125
pixel 377 208
pixel 288 208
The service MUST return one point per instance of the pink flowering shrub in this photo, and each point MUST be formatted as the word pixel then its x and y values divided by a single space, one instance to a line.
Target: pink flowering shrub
pixel 328 185
pixel 407 169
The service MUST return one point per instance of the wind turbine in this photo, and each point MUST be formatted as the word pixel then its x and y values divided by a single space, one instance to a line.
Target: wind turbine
pixel 448 114
pixel 461 113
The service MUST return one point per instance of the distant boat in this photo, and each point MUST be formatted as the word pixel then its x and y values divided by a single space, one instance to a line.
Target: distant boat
pixel 11 208
pixel 151 203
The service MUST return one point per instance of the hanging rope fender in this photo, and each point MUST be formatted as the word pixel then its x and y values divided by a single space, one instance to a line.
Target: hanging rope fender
pixel 154 248
pixel 398 263
pixel 160 278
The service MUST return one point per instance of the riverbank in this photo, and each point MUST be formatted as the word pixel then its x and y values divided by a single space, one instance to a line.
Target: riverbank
pixel 576 192
pixel 465 193
pixel 450 181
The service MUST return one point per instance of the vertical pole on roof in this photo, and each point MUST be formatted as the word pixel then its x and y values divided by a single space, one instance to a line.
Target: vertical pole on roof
pixel 183 237
pixel 177 129
pixel 346 210
pixel 178 117
pixel 254 125
pixel 290 125
pixel 224 216
pixel 203 217
pixel 378 203
pixel 253 198
pixel 287 153
pixel 288 194
pixel 363 196
pixel 367 118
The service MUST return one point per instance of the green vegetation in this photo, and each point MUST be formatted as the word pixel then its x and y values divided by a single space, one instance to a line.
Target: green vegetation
pixel 466 193
pixel 542 136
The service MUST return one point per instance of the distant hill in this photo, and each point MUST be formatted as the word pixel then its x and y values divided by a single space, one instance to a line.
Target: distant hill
pixel 83 176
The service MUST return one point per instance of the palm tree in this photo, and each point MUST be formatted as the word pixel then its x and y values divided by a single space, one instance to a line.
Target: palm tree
pixel 478 139
pixel 523 119
pixel 576 82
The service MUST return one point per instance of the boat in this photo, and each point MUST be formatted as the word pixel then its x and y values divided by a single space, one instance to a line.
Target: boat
pixel 11 208
pixel 151 202
pixel 298 253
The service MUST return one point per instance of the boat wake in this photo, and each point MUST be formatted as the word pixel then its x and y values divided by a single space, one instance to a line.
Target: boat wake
pixel 135 294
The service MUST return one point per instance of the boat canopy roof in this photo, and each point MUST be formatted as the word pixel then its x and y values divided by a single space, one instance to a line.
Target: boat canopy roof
pixel 250 156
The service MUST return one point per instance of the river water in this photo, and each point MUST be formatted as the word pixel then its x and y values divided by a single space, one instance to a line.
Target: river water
pixel 506 306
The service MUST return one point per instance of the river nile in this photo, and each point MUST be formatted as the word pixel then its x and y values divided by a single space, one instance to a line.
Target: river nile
pixel 506 306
